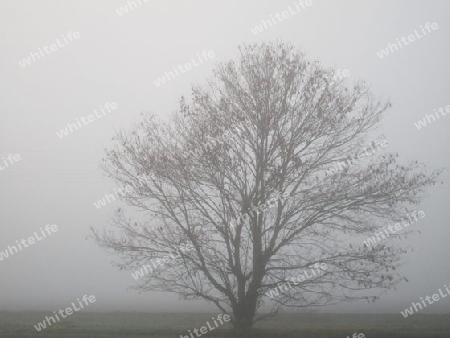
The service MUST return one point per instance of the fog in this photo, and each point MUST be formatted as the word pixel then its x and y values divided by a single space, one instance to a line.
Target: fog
pixel 116 59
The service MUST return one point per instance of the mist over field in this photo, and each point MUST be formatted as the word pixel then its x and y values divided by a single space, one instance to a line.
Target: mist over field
pixel 150 149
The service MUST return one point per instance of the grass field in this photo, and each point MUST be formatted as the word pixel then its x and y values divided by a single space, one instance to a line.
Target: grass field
pixel 163 325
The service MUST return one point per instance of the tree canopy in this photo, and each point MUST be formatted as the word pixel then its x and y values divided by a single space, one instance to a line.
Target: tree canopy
pixel 240 175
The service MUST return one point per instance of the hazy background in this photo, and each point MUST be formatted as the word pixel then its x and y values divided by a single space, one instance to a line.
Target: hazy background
pixel 117 58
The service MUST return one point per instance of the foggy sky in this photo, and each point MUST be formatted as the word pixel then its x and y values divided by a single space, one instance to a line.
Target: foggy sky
pixel 117 58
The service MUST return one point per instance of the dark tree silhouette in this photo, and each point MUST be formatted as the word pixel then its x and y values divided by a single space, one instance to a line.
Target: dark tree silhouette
pixel 257 140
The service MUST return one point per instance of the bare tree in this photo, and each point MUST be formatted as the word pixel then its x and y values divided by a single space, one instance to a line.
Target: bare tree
pixel 263 131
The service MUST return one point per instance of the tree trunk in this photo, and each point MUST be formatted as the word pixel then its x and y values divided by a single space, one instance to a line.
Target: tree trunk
pixel 243 316
pixel 246 308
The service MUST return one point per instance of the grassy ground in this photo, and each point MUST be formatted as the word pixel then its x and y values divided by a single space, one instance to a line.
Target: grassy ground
pixel 164 325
